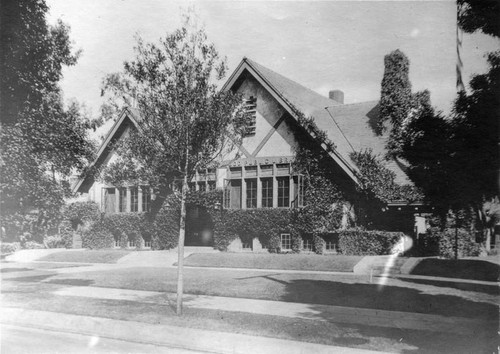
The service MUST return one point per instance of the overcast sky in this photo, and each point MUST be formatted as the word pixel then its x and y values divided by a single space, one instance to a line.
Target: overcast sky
pixel 323 45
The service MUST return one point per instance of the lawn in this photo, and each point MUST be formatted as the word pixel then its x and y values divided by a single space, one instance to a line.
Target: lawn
pixel 87 256
pixel 40 297
pixel 333 263
pixel 326 289
pixel 462 268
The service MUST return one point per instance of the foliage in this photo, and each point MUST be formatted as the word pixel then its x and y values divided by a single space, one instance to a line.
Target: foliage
pixel 377 181
pixel 247 224
pixel 166 226
pixel 41 140
pixel 10 247
pixel 55 241
pixel 363 242
pixel 318 244
pixel 184 121
pixel 31 245
pixel 395 96
pixel 483 15
pixel 323 197
pixel 66 232
pixel 98 236
pixel 80 213
pixel 446 246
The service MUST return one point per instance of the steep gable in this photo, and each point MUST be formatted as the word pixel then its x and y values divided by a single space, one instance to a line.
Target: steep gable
pixel 350 127
pixel 127 119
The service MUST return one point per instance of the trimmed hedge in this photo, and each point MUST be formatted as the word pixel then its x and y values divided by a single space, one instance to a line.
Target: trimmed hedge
pixel 359 242
pixel 442 243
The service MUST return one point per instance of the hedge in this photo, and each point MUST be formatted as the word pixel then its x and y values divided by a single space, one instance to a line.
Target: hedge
pixel 360 242
pixel 264 224
pixel 441 243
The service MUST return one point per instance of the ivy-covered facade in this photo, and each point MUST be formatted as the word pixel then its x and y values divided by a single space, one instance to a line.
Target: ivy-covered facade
pixel 292 177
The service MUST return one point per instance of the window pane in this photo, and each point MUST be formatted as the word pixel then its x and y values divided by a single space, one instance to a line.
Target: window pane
pixel 251 193
pixel 283 192
pixel 123 200
pixel 134 199
pixel 267 192
pixel 146 199
pixel 286 242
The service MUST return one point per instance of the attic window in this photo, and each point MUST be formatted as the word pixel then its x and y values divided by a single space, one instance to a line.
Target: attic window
pixel 250 115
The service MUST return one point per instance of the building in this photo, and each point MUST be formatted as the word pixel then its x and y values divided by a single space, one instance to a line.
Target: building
pixel 258 173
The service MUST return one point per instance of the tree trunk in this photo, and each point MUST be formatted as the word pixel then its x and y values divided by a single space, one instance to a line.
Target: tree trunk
pixel 180 247
pixel 182 236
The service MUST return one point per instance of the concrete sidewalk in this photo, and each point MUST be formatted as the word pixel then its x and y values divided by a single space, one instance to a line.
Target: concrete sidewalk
pixel 165 335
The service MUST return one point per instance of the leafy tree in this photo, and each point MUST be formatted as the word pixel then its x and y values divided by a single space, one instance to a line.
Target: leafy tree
pixel 395 96
pixel 41 140
pixel 185 121
pixel 455 160
pixel 479 15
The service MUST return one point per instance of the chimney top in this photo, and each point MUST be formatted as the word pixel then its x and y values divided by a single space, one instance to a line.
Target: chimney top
pixel 337 95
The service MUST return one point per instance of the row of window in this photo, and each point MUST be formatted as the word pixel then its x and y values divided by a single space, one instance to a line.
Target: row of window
pixel 233 196
pixel 307 245
pixel 129 199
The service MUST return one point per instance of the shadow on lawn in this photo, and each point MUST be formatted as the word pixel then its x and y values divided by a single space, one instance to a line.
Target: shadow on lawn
pixel 482 338
pixel 480 288
pixel 391 298
pixel 461 268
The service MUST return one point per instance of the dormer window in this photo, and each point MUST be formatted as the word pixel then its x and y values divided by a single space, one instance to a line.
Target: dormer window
pixel 250 115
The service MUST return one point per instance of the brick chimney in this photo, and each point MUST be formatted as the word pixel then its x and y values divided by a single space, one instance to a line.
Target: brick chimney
pixel 337 95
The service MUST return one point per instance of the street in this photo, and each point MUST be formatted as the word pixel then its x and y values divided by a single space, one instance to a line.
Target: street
pixel 24 340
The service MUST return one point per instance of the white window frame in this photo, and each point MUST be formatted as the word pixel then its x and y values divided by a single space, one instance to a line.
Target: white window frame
pixel 288 239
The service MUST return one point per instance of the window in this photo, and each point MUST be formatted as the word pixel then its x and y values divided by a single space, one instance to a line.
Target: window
pixel 192 186
pixel 298 191
pixel 250 116
pixel 286 242
pixel 211 185
pixel 134 200
pixel 122 200
pixel 267 192
pixel 202 187
pixel 227 194
pixel 109 200
pixel 283 192
pixel 251 193
pixel 146 199
pixel 307 246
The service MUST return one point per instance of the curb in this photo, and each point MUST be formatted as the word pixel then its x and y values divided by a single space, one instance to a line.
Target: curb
pixel 165 335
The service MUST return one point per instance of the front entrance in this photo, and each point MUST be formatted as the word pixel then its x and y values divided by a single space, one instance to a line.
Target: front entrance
pixel 199 227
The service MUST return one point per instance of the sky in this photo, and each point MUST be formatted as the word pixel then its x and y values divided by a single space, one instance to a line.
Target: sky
pixel 323 45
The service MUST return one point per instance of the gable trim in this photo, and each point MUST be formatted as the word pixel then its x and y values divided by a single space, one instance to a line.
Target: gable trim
pixel 245 64
pixel 125 114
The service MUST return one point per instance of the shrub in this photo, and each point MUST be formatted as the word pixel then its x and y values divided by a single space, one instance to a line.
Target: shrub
pixel 98 236
pixel 318 244
pixel 359 242
pixel 81 213
pixel 165 229
pixel 31 245
pixel 467 246
pixel 264 224
pixel 66 232
pixel 10 247
pixel 54 241
pixel 274 244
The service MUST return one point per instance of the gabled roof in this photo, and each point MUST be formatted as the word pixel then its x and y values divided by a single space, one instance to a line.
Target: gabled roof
pixel 350 127
pixel 129 114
